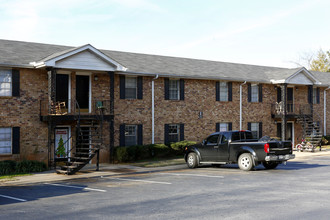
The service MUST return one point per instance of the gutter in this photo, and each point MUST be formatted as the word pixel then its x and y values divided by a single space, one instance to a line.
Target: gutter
pixel 240 105
pixel 325 111
pixel 153 109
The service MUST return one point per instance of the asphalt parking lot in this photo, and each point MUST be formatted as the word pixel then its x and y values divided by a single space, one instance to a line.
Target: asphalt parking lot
pixel 299 190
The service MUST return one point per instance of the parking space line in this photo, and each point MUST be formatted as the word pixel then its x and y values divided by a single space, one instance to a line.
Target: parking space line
pixel 9 197
pixel 135 180
pixel 76 187
pixel 187 174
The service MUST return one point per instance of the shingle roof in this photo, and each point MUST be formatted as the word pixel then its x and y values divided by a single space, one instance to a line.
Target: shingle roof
pixel 23 53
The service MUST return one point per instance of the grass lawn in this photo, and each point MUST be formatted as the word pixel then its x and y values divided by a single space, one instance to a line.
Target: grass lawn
pixel 12 176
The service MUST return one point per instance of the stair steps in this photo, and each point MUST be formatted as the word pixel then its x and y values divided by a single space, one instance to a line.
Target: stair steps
pixel 84 152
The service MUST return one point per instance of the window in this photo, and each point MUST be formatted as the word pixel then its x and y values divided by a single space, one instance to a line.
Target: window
pixel 130 135
pixel 174 88
pixel 5 83
pixel 5 140
pixel 224 126
pixel 174 133
pixel 255 130
pixel 224 91
pixel 254 93
pixel 212 140
pixel 130 87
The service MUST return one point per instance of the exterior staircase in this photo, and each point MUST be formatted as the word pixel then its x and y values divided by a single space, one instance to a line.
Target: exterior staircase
pixel 88 143
pixel 312 131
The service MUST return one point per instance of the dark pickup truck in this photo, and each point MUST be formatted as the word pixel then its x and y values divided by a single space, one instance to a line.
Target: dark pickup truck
pixel 238 147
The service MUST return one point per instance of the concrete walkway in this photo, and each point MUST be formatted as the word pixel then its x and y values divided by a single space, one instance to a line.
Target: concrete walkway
pixel 115 169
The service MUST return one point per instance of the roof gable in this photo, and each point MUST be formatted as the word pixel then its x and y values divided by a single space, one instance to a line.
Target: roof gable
pixel 84 58
pixel 302 76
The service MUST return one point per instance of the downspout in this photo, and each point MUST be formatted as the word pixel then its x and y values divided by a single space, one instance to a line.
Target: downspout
pixel 325 111
pixel 153 109
pixel 240 105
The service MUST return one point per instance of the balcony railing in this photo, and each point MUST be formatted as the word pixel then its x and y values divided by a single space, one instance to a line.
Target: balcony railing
pixel 71 107
pixel 291 109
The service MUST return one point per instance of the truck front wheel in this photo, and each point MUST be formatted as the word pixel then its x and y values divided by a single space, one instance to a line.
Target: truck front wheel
pixel 245 162
pixel 270 165
pixel 192 160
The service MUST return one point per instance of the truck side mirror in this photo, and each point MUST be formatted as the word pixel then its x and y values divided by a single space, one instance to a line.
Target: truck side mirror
pixel 204 142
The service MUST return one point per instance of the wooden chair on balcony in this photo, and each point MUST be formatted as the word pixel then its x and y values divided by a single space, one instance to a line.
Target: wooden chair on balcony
pixel 58 108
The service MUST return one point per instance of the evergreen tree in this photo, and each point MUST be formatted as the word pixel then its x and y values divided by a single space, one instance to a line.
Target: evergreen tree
pixel 61 148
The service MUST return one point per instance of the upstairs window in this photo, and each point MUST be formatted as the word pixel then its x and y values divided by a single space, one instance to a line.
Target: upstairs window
pixel 254 93
pixel 5 83
pixel 131 87
pixel 174 89
pixel 224 91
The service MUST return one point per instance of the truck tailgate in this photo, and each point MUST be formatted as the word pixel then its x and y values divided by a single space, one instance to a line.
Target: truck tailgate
pixel 280 148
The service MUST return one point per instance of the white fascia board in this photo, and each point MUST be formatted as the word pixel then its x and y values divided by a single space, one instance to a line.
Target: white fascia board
pixel 307 74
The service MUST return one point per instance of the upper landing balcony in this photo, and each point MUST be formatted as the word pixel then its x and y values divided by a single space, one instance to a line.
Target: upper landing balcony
pixel 292 110
pixel 70 110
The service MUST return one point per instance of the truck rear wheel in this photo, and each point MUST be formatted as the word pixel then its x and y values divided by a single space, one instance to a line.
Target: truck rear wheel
pixel 192 160
pixel 245 162
pixel 270 165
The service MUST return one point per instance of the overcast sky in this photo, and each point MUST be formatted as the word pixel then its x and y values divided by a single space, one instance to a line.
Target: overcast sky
pixel 261 32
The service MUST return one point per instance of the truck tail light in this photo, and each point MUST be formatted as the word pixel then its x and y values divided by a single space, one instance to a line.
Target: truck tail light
pixel 266 148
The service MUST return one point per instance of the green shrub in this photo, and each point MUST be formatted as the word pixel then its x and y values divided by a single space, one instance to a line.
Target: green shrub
pixel 121 154
pixel 178 147
pixel 25 166
pixel 143 152
pixel 159 150
pixel 7 167
pixel 28 166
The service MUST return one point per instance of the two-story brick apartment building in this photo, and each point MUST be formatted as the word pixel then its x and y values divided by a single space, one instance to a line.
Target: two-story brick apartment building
pixel 58 101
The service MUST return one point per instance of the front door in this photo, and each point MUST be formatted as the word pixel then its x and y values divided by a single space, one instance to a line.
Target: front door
pixel 82 92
